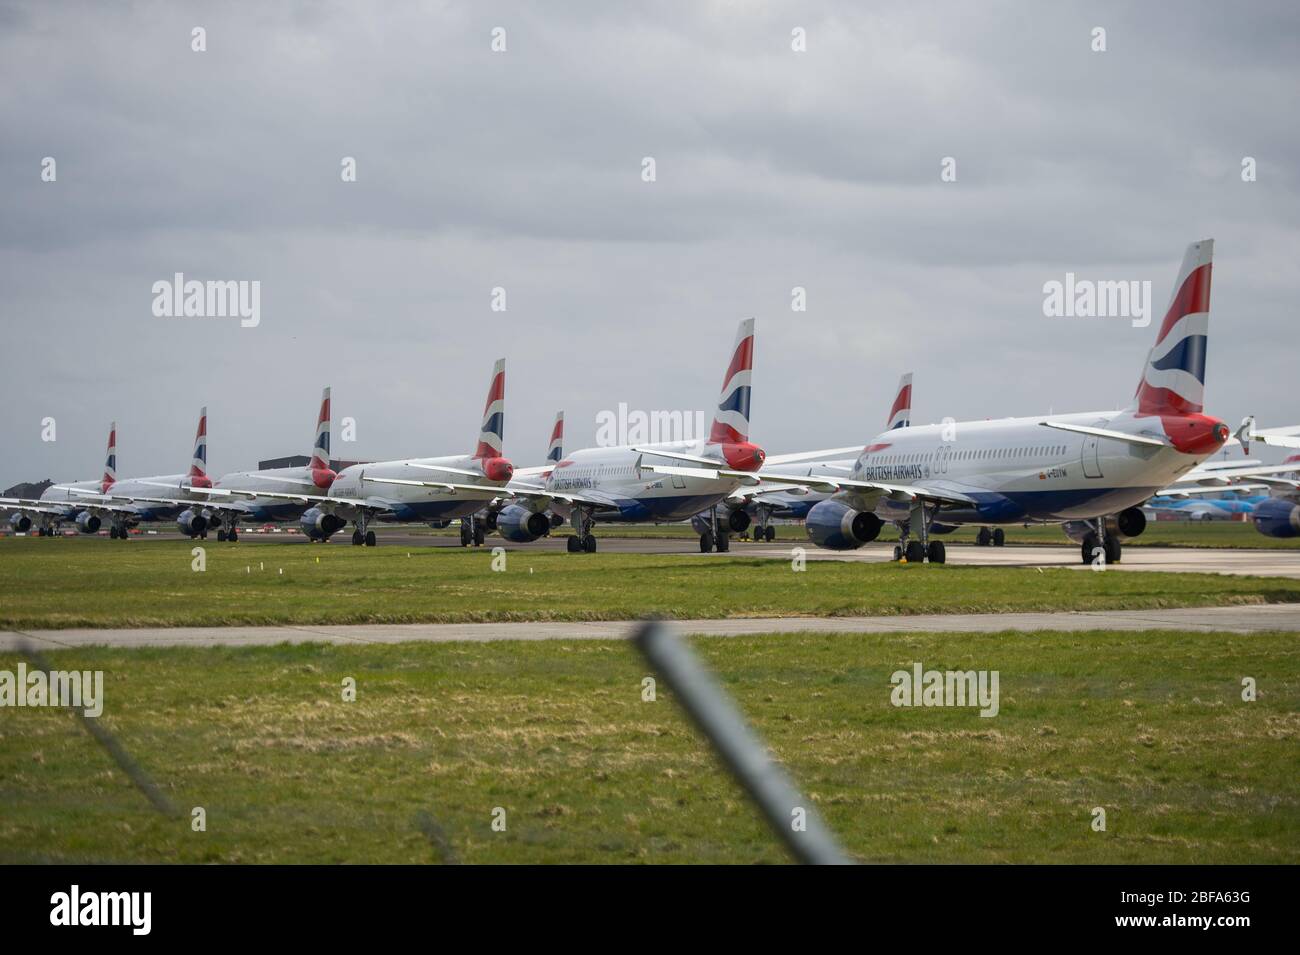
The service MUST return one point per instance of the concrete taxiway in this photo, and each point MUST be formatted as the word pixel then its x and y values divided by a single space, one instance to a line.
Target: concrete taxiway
pixel 1245 619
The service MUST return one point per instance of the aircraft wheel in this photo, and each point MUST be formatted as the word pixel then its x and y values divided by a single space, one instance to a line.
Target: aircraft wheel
pixel 112 532
pixel 1113 550
pixel 589 544
pixel 357 539
pixel 898 552
pixel 769 534
pixel 984 537
pixel 706 542
pixel 370 538
pixel 221 535
pixel 464 536
pixel 937 553
pixel 915 552
pixel 1088 546
pixel 572 544
pixel 999 537
pixel 479 536
pixel 723 543
pixel 232 536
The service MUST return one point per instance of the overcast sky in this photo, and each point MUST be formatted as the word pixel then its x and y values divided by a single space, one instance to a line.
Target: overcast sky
pixel 523 169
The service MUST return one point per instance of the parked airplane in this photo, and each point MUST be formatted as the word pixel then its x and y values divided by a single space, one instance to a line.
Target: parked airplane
pixel 1090 471
pixel 58 503
pixel 241 494
pixel 761 504
pixel 612 484
pixel 124 504
pixel 401 491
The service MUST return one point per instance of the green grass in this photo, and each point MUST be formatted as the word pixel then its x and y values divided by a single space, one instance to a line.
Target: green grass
pixel 1149 726
pixel 93 583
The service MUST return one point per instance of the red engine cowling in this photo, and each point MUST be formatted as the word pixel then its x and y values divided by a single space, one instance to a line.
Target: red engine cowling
pixel 498 469
pixel 743 456
pixel 1195 433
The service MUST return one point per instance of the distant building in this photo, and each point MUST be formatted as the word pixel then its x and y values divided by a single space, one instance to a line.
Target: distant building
pixel 301 461
pixel 28 489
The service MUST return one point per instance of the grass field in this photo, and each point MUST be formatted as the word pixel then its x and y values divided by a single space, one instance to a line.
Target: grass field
pixel 1151 727
pixel 92 583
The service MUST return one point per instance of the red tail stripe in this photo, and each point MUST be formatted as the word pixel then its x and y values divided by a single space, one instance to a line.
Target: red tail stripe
pixel 742 360
pixel 904 400
pixel 1194 296
pixel 496 392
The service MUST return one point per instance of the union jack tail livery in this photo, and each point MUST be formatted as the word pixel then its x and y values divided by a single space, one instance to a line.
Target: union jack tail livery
pixel 199 462
pixel 320 449
pixel 731 423
pixel 491 435
pixel 1173 381
pixel 556 451
pixel 900 414
pixel 110 462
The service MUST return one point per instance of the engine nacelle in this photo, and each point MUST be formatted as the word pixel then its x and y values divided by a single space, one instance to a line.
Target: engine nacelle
pixel 556 521
pixel 519 525
pixel 1125 525
pixel 1130 523
pixel 498 469
pixel 738 520
pixel 837 526
pixel 1277 517
pixel 318 525
pixel 87 523
pixel 20 522
pixel 191 522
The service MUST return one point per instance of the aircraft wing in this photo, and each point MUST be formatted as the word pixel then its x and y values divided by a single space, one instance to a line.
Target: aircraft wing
pixel 810 455
pixel 1186 492
pixel 484 490
pixel 829 484
pixel 31 505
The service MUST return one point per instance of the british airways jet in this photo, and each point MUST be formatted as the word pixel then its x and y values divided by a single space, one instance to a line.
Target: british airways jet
pixel 241 495
pixel 62 502
pixel 763 503
pixel 136 500
pixel 1089 472
pixel 614 484
pixel 406 490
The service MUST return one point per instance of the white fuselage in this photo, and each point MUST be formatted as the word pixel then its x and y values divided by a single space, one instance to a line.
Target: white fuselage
pixel 612 474
pixel 1017 469
pixel 411 502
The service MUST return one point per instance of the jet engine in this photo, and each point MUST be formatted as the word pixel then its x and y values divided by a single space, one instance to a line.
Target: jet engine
pixel 87 523
pixel 837 526
pixel 191 522
pixel 1125 525
pixel 20 522
pixel 519 525
pixel 318 525
pixel 1277 517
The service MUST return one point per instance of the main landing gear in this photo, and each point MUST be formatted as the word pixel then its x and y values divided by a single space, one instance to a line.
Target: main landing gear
pixel 1098 545
pixel 472 532
pixel 362 534
pixel 118 532
pixel 920 549
pixel 997 537
pixel 227 531
pixel 582 541
pixel 763 530
pixel 716 536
